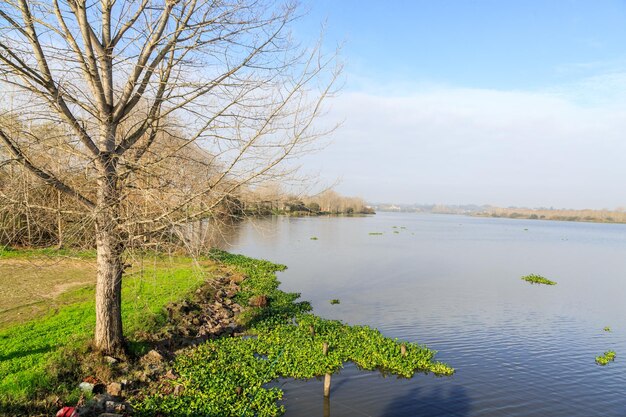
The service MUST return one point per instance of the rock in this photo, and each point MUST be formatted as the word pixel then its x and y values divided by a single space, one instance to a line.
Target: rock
pixel 86 387
pixel 170 375
pixel 110 360
pixel 258 301
pixel 153 357
pixel 115 389
pixel 237 278
pixel 109 406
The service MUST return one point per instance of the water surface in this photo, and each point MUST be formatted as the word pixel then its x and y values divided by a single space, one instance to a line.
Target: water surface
pixel 453 283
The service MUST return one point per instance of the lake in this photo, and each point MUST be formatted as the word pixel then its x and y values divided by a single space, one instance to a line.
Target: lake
pixel 453 284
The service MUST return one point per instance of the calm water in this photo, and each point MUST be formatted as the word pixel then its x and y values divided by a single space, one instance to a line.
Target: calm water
pixel 453 283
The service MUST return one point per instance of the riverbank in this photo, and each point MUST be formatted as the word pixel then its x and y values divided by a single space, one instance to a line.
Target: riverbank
pixel 204 369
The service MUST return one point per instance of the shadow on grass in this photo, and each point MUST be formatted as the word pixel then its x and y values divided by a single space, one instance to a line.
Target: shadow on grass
pixel 24 353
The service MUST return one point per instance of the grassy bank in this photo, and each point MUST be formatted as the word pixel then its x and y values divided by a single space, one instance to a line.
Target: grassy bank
pixel 29 351
pixel 223 377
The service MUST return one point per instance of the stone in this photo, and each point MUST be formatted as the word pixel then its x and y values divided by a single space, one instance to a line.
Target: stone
pixel 86 386
pixel 115 389
pixel 153 356
pixel 110 360
pixel 170 375
pixel 258 301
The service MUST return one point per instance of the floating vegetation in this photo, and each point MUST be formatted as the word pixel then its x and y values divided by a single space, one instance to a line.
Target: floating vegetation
pixel 314 238
pixel 228 376
pixel 402 227
pixel 607 329
pixel 375 233
pixel 396 232
pixel 609 356
pixel 538 279
pixel 335 301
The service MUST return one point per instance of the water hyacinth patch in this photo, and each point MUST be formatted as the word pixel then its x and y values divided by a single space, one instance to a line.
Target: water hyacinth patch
pixel 608 356
pixel 537 279
pixel 227 376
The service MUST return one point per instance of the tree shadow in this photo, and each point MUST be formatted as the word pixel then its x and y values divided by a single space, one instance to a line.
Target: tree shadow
pixel 23 353
pixel 451 401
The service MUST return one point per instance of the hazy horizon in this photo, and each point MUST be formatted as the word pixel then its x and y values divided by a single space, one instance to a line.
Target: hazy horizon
pixel 517 103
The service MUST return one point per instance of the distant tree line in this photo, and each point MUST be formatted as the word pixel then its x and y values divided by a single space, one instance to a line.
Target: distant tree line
pixel 586 215
pixel 272 200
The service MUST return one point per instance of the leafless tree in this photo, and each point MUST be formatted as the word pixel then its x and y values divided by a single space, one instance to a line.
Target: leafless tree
pixel 136 86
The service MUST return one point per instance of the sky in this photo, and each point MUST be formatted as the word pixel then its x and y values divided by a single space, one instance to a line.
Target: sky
pixel 510 103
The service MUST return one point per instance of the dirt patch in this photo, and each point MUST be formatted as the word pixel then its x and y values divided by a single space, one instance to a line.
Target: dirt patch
pixel 30 287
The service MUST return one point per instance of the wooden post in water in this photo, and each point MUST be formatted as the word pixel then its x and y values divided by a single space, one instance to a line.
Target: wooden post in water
pixel 327 376
pixel 403 349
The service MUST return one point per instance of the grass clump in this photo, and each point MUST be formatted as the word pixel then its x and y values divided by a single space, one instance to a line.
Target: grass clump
pixel 608 356
pixel 537 279
pixel 335 301
pixel 314 238
pixel 607 329
pixel 375 233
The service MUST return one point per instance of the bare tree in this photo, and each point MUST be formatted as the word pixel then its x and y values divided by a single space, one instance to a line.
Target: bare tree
pixel 137 86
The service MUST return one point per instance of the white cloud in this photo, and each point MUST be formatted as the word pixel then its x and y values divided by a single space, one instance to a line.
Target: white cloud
pixel 563 148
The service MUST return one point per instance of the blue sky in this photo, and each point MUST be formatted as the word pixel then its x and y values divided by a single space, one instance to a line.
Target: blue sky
pixel 501 102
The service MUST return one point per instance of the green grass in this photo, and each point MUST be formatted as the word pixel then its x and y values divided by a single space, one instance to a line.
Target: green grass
pixel 537 279
pixel 7 252
pixel 26 350
pixel 608 356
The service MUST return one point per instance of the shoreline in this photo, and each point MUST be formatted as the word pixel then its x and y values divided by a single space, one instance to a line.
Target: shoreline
pixel 179 368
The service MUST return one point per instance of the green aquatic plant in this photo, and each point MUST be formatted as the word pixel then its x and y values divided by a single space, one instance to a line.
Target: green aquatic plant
pixel 375 233
pixel 229 376
pixel 314 238
pixel 334 301
pixel 396 232
pixel 607 329
pixel 537 279
pixel 608 356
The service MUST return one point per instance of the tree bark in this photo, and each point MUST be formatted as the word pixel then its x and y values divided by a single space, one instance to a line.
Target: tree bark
pixel 110 247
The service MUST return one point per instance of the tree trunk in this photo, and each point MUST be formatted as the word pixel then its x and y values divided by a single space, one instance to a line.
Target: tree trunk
pixel 110 248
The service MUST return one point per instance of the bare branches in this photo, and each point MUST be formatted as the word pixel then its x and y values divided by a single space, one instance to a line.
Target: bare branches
pixel 176 106
pixel 43 175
